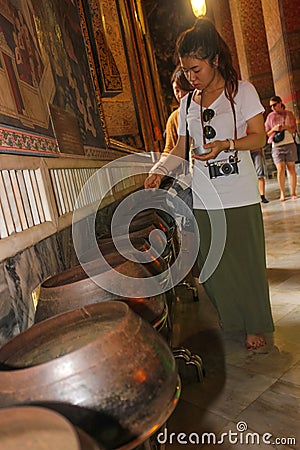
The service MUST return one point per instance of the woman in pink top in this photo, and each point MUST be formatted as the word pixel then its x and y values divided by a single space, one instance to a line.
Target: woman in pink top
pixel 284 152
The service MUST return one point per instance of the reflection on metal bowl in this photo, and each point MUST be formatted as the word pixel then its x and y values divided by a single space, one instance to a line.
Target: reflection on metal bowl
pixel 103 367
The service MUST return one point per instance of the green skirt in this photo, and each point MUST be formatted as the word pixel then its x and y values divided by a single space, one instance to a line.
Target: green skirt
pixel 238 286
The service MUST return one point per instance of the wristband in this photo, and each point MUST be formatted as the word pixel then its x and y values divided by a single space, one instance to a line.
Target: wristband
pixel 231 145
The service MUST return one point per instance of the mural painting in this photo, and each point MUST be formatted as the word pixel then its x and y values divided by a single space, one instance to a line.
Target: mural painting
pixel 43 62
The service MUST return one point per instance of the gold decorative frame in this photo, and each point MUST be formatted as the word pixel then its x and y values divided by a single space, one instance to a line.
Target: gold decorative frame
pixel 93 68
pixel 149 111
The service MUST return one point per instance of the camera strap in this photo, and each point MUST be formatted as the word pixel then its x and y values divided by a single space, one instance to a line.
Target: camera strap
pixel 234 119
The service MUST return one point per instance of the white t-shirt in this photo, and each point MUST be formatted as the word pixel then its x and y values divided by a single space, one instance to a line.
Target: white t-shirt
pixel 233 190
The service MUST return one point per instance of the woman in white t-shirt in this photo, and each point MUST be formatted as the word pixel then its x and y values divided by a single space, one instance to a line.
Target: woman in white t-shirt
pixel 225 122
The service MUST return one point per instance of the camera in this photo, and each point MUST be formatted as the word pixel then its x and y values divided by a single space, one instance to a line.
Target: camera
pixel 223 168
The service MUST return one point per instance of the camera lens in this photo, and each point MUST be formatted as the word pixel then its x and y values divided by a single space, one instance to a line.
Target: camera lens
pixel 226 169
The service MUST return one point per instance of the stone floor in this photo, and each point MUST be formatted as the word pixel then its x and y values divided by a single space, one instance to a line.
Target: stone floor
pixel 241 390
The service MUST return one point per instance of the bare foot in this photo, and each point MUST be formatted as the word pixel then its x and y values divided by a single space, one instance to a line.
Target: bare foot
pixel 282 198
pixel 294 197
pixel 254 341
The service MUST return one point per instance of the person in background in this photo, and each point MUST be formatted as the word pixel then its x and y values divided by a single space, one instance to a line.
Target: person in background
pixel 257 156
pixel 225 121
pixel 181 87
pixel 284 152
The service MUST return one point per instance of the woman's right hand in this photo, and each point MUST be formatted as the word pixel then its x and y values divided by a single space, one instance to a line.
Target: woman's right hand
pixel 153 181
pixel 277 127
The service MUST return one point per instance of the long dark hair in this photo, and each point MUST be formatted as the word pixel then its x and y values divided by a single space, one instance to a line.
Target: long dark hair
pixel 202 41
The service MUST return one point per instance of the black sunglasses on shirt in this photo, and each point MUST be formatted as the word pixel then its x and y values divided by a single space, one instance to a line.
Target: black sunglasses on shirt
pixel 208 131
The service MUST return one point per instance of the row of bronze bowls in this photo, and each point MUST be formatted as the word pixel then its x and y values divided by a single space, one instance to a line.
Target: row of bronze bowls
pixel 95 358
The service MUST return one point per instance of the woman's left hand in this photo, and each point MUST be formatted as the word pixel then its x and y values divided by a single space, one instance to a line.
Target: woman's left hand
pixel 215 148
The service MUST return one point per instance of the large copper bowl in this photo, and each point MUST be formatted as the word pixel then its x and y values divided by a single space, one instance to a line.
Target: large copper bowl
pixel 143 220
pixel 142 225
pixel 110 248
pixel 36 428
pixel 103 367
pixel 73 288
pixel 159 244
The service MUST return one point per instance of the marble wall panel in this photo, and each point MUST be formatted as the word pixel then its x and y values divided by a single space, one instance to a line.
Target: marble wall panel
pixel 26 271
pixel 8 317
pixel 23 273
pixel 65 248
